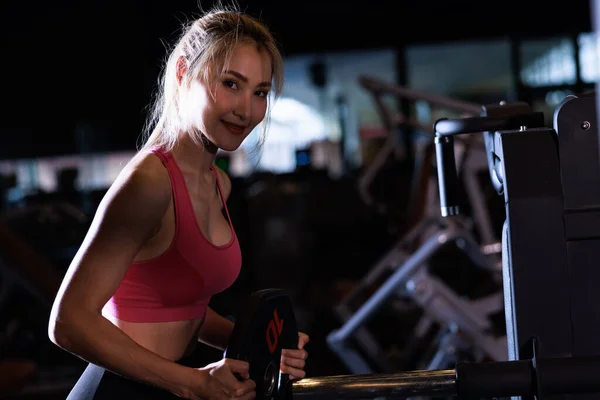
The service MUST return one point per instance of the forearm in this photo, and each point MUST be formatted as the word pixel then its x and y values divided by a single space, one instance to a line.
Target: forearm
pixel 96 340
pixel 216 330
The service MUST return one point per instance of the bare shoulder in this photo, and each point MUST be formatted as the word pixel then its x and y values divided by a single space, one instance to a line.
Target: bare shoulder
pixel 137 200
pixel 144 178
pixel 225 182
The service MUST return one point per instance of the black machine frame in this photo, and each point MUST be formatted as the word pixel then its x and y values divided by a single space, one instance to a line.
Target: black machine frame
pixel 550 181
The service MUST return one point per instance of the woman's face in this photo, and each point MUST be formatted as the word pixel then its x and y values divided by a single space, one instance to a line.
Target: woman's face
pixel 239 102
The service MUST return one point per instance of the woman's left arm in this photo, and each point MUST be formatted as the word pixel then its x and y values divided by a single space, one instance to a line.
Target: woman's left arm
pixel 215 330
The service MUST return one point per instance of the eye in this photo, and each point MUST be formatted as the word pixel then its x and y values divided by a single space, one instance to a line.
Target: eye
pixel 230 84
pixel 262 93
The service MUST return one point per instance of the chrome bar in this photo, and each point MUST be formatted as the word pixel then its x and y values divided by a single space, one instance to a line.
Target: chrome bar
pixel 397 385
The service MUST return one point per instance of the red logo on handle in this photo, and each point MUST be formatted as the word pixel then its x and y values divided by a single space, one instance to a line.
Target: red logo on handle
pixel 274 331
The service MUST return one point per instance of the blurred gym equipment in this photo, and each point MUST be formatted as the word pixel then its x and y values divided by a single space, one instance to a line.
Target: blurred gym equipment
pixel 402 274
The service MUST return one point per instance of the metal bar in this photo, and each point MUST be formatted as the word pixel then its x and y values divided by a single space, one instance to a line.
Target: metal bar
pixel 392 284
pixel 413 94
pixel 353 360
pixel 397 385
pixel 369 345
pixel 365 180
pixel 401 119
pixel 450 127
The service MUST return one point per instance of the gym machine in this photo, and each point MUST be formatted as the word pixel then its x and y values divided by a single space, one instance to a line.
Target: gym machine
pixel 464 324
pixel 550 181
pixel 394 121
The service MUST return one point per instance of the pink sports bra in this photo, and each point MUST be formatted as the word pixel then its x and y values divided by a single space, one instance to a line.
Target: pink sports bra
pixel 178 284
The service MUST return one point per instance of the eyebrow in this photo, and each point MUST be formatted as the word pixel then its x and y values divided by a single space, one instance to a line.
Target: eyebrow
pixel 245 80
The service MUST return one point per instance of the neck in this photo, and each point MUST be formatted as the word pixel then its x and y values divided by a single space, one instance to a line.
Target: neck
pixel 199 157
pixel 208 145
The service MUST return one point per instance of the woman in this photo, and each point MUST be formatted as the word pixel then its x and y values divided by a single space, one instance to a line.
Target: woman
pixel 134 301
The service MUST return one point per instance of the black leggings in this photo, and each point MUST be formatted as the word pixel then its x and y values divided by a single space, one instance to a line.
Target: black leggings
pixel 99 384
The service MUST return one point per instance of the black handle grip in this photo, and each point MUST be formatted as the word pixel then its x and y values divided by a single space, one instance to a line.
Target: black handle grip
pixel 528 378
pixel 494 379
pixel 445 127
pixel 447 175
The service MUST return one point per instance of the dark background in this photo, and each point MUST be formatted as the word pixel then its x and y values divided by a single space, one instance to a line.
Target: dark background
pixel 96 62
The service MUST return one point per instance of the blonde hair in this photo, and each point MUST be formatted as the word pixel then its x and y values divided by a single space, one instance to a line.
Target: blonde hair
pixel 206 44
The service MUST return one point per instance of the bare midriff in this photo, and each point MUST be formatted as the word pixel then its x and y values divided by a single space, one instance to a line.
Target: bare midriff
pixel 171 340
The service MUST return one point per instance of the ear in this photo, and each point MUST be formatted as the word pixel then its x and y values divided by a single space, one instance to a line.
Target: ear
pixel 180 68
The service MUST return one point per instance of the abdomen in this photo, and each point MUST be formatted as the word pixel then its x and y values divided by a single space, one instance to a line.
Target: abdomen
pixel 171 340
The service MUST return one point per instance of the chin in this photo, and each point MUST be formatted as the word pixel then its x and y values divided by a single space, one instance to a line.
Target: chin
pixel 229 148
pixel 230 145
pixel 229 142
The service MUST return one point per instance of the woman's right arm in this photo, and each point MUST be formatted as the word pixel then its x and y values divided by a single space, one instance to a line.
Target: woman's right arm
pixel 131 210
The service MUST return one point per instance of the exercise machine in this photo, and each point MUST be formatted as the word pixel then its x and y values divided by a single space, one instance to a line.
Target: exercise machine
pixel 464 325
pixel 549 179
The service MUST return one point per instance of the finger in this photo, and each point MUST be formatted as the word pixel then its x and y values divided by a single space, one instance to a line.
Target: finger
pixel 248 386
pixel 293 362
pixel 248 396
pixel 303 339
pixel 294 373
pixel 299 354
pixel 220 396
pixel 229 382
pixel 239 367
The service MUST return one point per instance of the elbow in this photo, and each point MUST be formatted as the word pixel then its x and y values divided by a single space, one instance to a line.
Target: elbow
pixel 63 327
pixel 58 332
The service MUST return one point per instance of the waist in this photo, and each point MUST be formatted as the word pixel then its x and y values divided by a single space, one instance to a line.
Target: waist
pixel 173 340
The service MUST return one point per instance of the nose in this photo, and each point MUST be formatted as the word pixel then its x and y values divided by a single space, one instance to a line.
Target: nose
pixel 243 107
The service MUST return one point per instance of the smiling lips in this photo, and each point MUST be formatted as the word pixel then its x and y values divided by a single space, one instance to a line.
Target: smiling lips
pixel 234 128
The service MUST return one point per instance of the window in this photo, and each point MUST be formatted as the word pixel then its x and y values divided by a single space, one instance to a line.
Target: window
pixel 465 70
pixel 292 125
pixel 589 57
pixel 548 62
